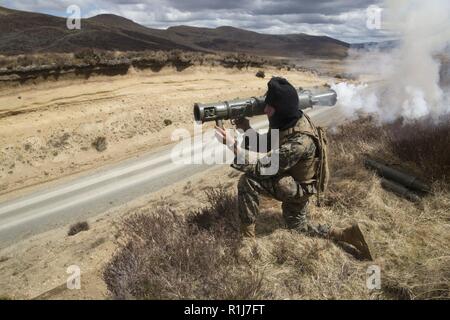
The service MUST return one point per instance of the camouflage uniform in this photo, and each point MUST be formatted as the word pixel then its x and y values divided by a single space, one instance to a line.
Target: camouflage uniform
pixel 281 186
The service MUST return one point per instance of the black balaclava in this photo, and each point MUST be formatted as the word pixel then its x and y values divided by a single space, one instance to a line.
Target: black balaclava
pixel 284 98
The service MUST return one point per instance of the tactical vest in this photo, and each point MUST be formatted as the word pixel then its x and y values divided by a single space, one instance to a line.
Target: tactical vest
pixel 314 170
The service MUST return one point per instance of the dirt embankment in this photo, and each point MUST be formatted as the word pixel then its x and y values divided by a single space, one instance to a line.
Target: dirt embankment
pixel 57 128
pixel 33 68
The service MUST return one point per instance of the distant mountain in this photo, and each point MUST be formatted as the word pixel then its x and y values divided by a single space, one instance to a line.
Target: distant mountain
pixel 27 32
pixel 238 40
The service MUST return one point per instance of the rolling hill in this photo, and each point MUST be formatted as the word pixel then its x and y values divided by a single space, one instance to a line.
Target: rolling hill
pixel 28 32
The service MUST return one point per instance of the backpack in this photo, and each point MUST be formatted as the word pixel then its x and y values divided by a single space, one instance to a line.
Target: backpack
pixel 319 135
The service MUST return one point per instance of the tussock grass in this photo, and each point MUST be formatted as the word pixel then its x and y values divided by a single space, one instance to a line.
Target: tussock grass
pixel 168 255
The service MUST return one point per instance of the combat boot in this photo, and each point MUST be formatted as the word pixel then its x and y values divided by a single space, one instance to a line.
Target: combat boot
pixel 248 230
pixel 354 236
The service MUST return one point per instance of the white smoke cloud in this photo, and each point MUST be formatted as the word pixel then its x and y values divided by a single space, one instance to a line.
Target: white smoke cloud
pixel 355 98
pixel 410 84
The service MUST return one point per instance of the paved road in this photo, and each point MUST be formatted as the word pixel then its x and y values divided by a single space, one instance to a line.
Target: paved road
pixel 109 187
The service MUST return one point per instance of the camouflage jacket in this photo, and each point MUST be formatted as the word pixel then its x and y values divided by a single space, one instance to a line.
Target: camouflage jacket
pixel 296 147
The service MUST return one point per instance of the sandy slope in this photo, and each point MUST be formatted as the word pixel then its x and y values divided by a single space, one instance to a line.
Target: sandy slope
pixel 54 124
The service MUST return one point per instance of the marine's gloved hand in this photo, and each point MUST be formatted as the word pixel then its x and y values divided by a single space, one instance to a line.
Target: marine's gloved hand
pixel 224 137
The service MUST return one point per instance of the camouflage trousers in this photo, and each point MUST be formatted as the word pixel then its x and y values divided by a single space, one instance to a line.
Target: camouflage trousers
pixel 294 198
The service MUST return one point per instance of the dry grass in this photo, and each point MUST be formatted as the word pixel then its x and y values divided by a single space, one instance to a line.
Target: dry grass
pixel 420 146
pixel 163 255
pixel 425 144
pixel 412 240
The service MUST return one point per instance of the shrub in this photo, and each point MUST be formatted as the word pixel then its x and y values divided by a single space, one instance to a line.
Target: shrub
pixel 59 142
pixel 424 143
pixel 93 57
pixel 164 256
pixel 261 74
pixel 100 144
pixel 220 214
pixel 77 228
pixel 420 144
pixel 25 60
